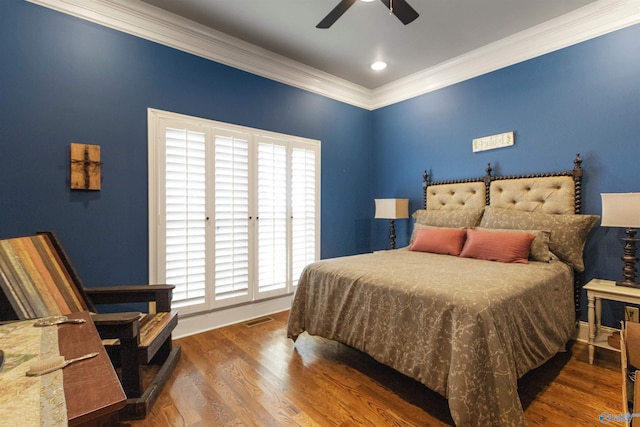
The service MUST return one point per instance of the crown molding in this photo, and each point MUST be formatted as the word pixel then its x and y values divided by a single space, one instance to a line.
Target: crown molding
pixel 593 20
pixel 150 23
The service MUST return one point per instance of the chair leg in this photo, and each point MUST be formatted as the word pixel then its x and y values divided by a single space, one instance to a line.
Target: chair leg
pixel 130 366
pixel 126 328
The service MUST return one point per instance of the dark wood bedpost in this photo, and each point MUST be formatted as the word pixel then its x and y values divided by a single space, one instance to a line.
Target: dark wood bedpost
pixel 577 178
pixel 578 277
pixel 426 181
pixel 487 185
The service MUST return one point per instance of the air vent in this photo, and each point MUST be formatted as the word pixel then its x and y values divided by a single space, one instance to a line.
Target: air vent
pixel 258 321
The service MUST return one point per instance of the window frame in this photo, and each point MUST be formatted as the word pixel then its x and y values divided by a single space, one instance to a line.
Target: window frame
pixel 156 120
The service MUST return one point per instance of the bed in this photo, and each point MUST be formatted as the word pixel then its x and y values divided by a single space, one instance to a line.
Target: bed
pixel 468 325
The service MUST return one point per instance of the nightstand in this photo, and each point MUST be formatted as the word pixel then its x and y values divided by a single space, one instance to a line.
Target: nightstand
pixel 597 290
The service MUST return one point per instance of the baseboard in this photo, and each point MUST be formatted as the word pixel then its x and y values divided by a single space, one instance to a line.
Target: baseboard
pixel 583 331
pixel 196 323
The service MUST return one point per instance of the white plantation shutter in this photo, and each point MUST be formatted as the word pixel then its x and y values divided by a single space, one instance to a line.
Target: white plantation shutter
pixel 304 205
pixel 272 216
pixel 233 212
pixel 231 217
pixel 185 202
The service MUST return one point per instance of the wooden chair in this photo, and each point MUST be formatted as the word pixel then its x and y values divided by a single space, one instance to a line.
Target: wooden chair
pixel 38 280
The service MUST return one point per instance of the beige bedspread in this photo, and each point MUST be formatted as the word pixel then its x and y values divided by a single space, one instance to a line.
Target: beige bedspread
pixel 466 328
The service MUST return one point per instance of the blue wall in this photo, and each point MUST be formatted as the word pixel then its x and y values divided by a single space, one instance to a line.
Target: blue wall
pixel 582 99
pixel 66 80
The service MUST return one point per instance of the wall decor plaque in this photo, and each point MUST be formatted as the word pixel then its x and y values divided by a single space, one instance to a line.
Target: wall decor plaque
pixel 493 141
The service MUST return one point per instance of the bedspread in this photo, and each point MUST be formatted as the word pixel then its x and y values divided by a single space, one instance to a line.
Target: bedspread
pixel 466 328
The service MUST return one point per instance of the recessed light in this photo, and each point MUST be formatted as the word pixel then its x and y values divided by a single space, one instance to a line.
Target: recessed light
pixel 367 1
pixel 378 65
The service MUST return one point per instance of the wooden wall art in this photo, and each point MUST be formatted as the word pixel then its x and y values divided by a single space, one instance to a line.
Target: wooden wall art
pixel 85 167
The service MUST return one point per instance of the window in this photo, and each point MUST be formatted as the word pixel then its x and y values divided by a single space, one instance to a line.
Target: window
pixel 233 211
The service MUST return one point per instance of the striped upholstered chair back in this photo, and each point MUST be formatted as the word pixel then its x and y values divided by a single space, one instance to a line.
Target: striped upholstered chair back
pixel 35 280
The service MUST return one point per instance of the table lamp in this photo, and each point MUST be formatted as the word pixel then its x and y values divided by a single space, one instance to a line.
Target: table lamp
pixel 623 210
pixel 392 209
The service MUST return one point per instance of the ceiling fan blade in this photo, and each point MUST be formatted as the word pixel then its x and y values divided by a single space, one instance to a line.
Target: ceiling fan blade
pixel 403 11
pixel 336 13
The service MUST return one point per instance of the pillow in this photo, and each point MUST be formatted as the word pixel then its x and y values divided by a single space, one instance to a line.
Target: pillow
pixel 539 247
pixel 417 226
pixel 446 241
pixel 568 232
pixel 498 246
pixel 453 218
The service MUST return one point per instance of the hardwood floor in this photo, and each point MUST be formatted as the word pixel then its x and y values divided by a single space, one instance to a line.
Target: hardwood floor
pixel 254 376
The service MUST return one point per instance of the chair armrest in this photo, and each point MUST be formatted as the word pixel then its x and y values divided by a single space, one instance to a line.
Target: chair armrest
pixel 123 326
pixel 161 294
pixel 116 318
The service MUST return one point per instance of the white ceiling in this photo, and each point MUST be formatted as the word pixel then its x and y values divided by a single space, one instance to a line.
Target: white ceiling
pixel 451 41
pixel 367 32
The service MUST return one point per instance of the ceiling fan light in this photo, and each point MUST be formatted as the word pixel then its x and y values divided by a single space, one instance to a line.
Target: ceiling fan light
pixel 378 65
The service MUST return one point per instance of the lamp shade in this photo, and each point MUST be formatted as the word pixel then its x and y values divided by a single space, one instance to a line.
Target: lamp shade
pixel 392 208
pixel 621 210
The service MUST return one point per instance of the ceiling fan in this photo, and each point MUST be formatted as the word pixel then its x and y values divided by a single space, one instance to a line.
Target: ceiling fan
pixel 400 8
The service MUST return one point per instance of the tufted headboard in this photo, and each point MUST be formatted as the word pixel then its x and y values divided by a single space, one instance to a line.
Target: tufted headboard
pixel 556 192
pixel 551 193
pixel 455 195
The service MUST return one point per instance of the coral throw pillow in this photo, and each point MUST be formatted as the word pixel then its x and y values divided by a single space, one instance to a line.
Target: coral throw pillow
pixel 497 246
pixel 448 241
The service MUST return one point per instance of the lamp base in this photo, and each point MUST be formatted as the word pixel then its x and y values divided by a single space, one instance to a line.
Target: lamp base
pixel 392 234
pixel 628 284
pixel 630 259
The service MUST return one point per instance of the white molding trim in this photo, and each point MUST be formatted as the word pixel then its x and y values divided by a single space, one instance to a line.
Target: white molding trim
pixel 150 23
pixel 145 21
pixel 593 20
pixel 583 331
pixel 202 322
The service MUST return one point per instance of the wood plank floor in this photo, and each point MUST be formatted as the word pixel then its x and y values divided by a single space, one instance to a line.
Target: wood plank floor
pixel 254 376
